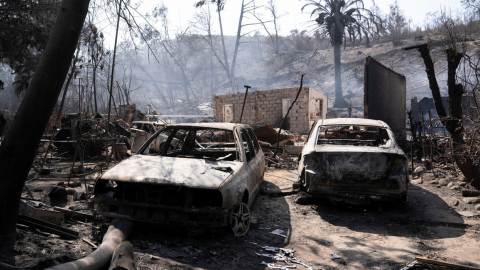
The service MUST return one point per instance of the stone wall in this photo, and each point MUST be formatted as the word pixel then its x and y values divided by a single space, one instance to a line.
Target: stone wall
pixel 265 107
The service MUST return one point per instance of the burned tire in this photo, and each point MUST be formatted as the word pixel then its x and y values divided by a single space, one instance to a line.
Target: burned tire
pixel 239 219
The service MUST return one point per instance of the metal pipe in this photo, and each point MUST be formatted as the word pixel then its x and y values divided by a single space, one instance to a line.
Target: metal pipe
pixel 244 100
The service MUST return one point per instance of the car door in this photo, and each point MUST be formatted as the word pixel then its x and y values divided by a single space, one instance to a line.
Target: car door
pixel 251 164
pixel 259 164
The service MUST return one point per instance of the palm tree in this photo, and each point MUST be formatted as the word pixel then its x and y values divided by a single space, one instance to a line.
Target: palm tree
pixel 336 18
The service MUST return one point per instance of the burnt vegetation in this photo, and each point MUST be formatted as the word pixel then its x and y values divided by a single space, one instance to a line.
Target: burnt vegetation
pixel 71 109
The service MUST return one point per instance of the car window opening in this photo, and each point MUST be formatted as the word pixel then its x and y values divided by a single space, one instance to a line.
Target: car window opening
pixel 247 144
pixel 352 135
pixel 209 144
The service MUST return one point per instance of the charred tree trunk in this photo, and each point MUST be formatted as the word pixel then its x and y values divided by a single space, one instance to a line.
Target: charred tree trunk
pixel 237 42
pixel 453 121
pixel 70 76
pixel 223 46
pixel 339 100
pixel 18 148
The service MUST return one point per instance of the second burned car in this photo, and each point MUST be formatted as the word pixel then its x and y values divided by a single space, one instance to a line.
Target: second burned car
pixel 204 175
pixel 353 160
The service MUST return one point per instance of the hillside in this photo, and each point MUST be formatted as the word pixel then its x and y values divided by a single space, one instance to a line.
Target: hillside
pixel 285 70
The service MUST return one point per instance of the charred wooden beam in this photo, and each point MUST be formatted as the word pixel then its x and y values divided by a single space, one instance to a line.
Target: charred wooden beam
pixel 47 227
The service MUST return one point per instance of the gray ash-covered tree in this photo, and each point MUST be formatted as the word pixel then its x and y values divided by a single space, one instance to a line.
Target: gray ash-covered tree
pixel 341 19
pixel 397 24
pixel 25 27
pixel 20 143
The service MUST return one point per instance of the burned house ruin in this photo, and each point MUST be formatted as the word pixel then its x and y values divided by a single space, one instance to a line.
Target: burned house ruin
pixel 269 107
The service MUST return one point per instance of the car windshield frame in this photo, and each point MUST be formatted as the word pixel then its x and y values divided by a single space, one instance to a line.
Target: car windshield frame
pixel 239 155
pixel 352 135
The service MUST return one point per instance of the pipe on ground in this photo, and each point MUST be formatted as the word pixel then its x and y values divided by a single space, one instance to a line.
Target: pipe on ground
pixel 123 257
pixel 118 231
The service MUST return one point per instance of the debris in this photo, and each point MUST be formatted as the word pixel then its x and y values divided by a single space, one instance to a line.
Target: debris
pixel 418 170
pixel 153 257
pixel 443 182
pixel 301 263
pixel 75 183
pixel 335 257
pixel 303 198
pixel 468 214
pixel 293 149
pixel 288 256
pixel 44 172
pixel 276 266
pixel 278 232
pixel 70 213
pixel 470 193
pixel 444 263
pixel 426 177
pixel 58 196
pixel 267 134
pixel 265 255
pixel 410 266
pixel 80 196
pixel 265 145
pixel 416 181
pixel 272 249
pixel 471 200
pixel 40 211
pixel 90 243
pixel 8 266
pixel 118 231
pixel 47 227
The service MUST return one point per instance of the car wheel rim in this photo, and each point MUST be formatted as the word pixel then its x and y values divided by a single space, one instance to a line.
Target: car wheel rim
pixel 240 219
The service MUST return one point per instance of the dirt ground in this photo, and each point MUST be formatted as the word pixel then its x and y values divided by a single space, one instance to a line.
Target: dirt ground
pixel 435 222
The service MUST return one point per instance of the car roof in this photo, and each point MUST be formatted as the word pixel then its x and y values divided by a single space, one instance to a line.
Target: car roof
pixel 142 122
pixel 353 121
pixel 227 126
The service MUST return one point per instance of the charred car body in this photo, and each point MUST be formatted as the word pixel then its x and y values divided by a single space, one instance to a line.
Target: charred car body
pixel 205 174
pixel 353 160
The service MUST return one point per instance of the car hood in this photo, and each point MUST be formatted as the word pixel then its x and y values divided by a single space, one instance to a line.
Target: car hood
pixel 188 172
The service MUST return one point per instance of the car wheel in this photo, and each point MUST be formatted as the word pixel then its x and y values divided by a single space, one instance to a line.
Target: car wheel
pixel 240 219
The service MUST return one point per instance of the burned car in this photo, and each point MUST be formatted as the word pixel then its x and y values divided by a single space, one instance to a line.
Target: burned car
pixel 353 160
pixel 204 175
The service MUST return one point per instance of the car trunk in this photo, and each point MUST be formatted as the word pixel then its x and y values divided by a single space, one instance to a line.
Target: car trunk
pixel 339 165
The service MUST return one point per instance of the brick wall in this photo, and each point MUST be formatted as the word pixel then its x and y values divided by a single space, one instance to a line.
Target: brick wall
pixel 265 107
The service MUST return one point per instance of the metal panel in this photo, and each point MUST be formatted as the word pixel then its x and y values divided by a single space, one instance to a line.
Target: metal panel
pixel 385 96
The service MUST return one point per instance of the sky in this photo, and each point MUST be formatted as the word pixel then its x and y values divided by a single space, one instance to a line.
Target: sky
pixel 181 12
